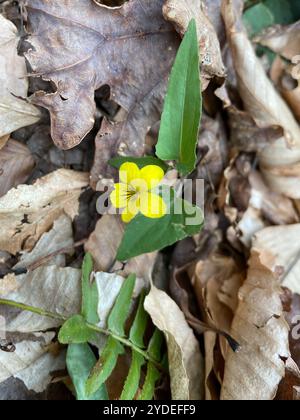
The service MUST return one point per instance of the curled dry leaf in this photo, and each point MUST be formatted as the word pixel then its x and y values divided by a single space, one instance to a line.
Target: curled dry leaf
pixel 14 112
pixel 280 161
pixel 103 245
pixel 32 362
pixel 216 282
pixel 180 13
pixel 185 360
pixel 81 46
pixel 255 372
pixel 287 79
pixel 16 164
pixel 30 210
pixel 282 242
pixel 284 40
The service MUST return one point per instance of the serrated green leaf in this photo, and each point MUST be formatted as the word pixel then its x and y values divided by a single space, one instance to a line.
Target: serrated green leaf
pixel 139 325
pixel 181 116
pixel 155 345
pixel 143 235
pixel 80 360
pixel 105 365
pixel 133 379
pixel 89 292
pixel 117 318
pixel 141 162
pixel 75 331
pixel 153 375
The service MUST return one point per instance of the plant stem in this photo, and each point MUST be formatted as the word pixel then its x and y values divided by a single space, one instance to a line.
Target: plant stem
pixel 59 317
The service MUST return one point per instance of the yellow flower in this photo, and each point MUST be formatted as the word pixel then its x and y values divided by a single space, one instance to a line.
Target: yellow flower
pixel 133 193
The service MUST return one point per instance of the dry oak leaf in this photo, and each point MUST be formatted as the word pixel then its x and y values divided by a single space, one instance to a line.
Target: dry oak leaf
pixel 279 161
pixel 185 360
pixel 15 113
pixel 16 164
pixel 255 372
pixel 283 243
pixel 28 211
pixel 81 46
pixel 180 13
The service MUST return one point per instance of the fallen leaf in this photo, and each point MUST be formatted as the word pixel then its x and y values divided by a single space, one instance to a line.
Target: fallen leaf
pixel 265 106
pixel 15 112
pixel 185 360
pixel 59 238
pixel 255 372
pixel 16 164
pixel 284 40
pixel 86 46
pixel 180 13
pixel 30 210
pixel 51 288
pixel 31 362
pixel 282 242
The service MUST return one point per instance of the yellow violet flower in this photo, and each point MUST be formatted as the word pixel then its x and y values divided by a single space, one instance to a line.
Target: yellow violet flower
pixel 134 192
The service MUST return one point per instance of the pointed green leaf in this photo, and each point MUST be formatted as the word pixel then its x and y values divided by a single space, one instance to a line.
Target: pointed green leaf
pixel 139 325
pixel 75 331
pixel 153 375
pixel 181 116
pixel 141 162
pixel 80 360
pixel 117 318
pixel 133 379
pixel 105 365
pixel 155 345
pixel 89 292
pixel 144 235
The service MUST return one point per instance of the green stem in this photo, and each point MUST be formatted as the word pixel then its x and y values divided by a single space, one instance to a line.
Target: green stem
pixel 42 312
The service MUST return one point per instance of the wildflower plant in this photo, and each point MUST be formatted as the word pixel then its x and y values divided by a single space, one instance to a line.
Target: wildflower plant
pixel 147 206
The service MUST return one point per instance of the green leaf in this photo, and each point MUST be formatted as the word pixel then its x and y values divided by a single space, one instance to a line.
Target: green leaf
pixel 143 235
pixel 153 375
pixel 117 318
pixel 75 331
pixel 105 365
pixel 181 116
pixel 80 361
pixel 133 379
pixel 141 162
pixel 257 18
pixel 89 292
pixel 139 325
pixel 155 345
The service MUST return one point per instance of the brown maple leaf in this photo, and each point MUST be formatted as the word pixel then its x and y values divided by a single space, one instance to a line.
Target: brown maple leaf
pixel 80 46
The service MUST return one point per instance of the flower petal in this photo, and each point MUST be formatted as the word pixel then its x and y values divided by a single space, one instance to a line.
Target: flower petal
pixel 152 175
pixel 127 216
pixel 128 172
pixel 152 205
pixel 132 209
pixel 119 197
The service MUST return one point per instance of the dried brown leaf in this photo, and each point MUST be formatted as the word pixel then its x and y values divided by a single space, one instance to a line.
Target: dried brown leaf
pixel 16 164
pixel 185 360
pixel 14 112
pixel 255 372
pixel 30 210
pixel 180 13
